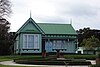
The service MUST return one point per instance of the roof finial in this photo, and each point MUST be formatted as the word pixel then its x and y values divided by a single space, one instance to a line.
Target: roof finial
pixel 71 21
pixel 30 13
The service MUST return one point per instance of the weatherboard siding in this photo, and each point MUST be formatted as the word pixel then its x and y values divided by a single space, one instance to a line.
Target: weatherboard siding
pixel 47 32
pixel 29 28
pixel 69 47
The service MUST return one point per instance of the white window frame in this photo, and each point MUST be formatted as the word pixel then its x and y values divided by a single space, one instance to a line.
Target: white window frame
pixel 17 44
pixel 36 41
pixel 35 46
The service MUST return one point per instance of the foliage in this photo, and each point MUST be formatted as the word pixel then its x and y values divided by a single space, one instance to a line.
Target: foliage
pixel 11 57
pixel 54 62
pixel 5 8
pixel 90 43
pixel 82 33
pixel 41 60
pixel 4 27
pixel 87 33
pixel 5 36
pixel 88 57
pixel 97 65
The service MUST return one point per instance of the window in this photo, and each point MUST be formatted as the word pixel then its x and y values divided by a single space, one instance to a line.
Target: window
pixel 31 41
pixel 59 44
pixel 64 44
pixel 36 41
pixel 25 41
pixel 16 44
pixel 54 44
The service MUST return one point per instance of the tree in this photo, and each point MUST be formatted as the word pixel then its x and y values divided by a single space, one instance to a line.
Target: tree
pixel 90 43
pixel 87 33
pixel 5 8
pixel 82 33
pixel 5 11
pixel 4 27
pixel 11 41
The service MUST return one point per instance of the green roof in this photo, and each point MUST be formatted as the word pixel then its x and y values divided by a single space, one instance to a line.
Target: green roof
pixel 50 28
pixel 47 28
pixel 30 26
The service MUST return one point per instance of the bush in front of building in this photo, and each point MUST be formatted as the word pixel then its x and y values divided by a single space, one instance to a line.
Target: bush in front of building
pixel 97 65
pixel 87 57
pixel 53 62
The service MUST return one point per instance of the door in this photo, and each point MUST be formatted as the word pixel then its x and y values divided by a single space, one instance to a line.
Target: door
pixel 43 45
pixel 48 46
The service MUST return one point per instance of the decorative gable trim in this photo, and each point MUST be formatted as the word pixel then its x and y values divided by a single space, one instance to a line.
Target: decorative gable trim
pixel 30 20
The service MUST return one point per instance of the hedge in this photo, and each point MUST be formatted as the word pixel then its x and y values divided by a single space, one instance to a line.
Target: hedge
pixel 54 62
pixel 87 57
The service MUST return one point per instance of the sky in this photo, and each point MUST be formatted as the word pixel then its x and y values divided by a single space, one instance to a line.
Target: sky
pixel 79 13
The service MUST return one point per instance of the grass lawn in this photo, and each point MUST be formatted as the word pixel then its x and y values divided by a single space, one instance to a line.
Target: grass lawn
pixel 8 58
pixel 16 66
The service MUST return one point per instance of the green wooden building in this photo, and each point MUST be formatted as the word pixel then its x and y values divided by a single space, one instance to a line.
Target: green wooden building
pixel 35 37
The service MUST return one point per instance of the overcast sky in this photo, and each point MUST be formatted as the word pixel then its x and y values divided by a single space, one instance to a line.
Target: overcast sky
pixel 84 13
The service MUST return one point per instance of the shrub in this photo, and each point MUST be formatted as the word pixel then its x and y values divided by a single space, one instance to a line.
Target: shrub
pixel 53 62
pixel 88 57
pixel 97 65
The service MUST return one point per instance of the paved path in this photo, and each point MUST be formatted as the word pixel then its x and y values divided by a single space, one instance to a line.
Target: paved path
pixel 15 64
pixel 92 61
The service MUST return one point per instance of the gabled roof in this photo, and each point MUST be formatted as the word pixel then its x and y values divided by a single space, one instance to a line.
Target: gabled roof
pixel 50 28
pixel 46 28
pixel 30 20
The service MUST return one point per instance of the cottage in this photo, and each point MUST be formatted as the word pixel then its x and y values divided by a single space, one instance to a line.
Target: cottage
pixel 35 37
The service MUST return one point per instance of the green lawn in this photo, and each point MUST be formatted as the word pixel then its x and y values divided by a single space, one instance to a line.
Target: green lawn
pixel 8 58
pixel 15 66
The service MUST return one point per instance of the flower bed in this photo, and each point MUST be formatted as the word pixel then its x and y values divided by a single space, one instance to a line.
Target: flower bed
pixel 53 62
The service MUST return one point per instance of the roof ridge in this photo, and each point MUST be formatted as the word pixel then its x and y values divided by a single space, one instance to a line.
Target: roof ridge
pixel 54 23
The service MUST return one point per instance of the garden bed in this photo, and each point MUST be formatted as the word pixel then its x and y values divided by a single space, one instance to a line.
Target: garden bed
pixel 87 57
pixel 52 62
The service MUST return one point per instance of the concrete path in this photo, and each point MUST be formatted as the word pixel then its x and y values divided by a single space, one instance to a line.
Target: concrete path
pixel 11 63
pixel 93 62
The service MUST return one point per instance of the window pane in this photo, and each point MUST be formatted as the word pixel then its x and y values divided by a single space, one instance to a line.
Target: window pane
pixel 30 41
pixel 16 44
pixel 57 44
pixel 25 41
pixel 64 42
pixel 36 41
pixel 54 44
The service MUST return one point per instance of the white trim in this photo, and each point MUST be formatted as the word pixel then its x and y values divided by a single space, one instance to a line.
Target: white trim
pixel 34 43
pixel 17 44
